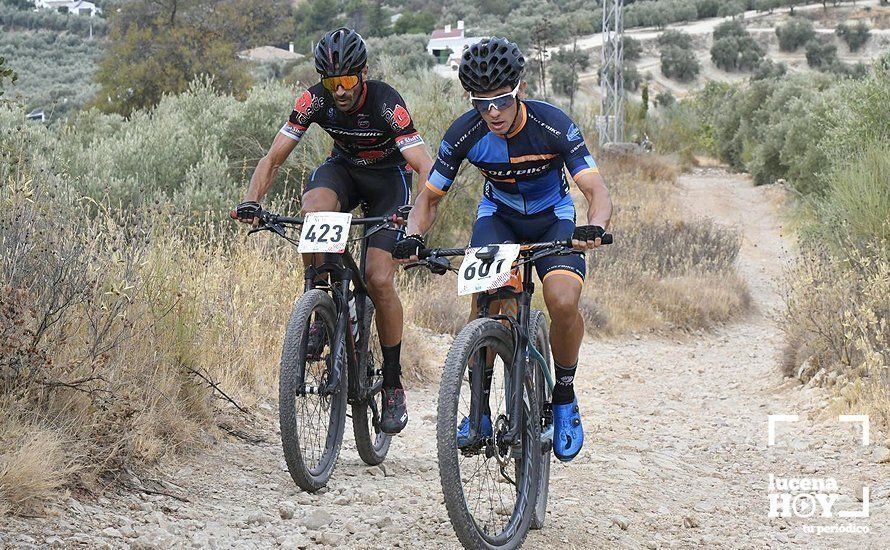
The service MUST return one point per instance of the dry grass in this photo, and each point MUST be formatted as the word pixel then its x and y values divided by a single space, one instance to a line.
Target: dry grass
pixel 837 324
pixel 35 463
pixel 664 272
pixel 110 331
pixel 647 168
pixel 432 303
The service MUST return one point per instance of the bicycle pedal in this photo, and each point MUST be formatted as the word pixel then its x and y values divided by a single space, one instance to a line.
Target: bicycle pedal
pixel 547 439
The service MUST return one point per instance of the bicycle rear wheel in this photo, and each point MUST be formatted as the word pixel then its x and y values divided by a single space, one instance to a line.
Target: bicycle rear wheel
pixel 311 424
pixel 371 443
pixel 486 507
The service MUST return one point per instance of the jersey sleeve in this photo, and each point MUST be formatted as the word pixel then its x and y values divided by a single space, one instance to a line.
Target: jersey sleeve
pixel 306 107
pixel 395 112
pixel 571 145
pixel 452 152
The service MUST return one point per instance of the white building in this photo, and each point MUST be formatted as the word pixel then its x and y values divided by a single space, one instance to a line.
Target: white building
pixel 77 7
pixel 445 43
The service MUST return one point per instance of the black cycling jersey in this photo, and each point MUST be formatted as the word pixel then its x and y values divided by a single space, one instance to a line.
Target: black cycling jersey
pixel 373 133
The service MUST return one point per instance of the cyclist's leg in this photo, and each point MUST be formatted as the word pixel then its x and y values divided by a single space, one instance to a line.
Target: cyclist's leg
pixel 562 278
pixel 383 191
pixel 330 189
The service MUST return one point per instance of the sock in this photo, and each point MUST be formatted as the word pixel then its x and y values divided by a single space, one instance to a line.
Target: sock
pixel 564 389
pixel 392 370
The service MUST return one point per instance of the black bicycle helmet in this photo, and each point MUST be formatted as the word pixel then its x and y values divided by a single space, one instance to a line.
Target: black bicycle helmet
pixel 491 64
pixel 340 52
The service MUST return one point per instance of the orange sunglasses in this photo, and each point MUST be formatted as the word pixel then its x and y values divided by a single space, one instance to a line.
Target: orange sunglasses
pixel 348 82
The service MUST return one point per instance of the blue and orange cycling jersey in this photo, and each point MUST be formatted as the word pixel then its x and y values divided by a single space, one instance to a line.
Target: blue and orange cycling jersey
pixel 524 170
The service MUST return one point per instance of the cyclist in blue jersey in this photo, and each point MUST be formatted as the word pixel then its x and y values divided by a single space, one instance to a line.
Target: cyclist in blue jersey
pixel 523 149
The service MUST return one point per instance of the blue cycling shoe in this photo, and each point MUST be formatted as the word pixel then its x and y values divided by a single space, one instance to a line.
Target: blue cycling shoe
pixel 568 434
pixel 463 430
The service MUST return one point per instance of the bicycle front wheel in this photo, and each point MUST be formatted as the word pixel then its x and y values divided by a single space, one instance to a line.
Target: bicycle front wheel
pixel 371 443
pixel 489 486
pixel 539 333
pixel 311 424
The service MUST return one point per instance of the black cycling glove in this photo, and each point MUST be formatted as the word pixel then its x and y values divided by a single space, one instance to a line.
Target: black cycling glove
pixel 248 210
pixel 407 247
pixel 588 232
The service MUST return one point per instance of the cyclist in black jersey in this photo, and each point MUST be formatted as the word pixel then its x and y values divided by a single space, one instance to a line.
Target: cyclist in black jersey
pixel 375 149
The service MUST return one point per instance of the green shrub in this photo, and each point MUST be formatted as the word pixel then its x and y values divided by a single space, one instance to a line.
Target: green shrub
pixel 734 49
pixel 855 208
pixel 768 69
pixel 55 69
pixel 12 18
pixel 794 34
pixel 854 35
pixel 409 49
pixel 631 77
pixel 632 48
pixel 730 8
pixel 821 54
pixel 707 8
pixel 677 58
pixel 676 38
pixel 665 99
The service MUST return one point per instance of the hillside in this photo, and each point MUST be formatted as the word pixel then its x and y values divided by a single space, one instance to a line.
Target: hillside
pixel 762 26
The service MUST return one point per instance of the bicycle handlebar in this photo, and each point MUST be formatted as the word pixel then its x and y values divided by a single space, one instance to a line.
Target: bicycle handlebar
pixel 267 218
pixel 530 247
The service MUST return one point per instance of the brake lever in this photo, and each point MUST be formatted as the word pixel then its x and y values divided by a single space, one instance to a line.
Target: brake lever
pixel 258 229
pixel 440 266
pixel 278 229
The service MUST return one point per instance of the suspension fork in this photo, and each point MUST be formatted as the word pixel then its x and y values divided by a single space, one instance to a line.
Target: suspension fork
pixel 342 345
pixel 518 371
pixel 477 375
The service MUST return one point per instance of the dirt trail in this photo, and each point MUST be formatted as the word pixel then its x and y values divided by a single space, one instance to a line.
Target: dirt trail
pixel 676 453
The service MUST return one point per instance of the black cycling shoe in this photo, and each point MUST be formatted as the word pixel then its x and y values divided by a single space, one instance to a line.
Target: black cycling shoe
pixel 394 416
pixel 317 339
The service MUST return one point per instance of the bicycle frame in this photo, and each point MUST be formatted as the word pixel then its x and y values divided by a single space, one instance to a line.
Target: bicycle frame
pixel 340 271
pixel 521 353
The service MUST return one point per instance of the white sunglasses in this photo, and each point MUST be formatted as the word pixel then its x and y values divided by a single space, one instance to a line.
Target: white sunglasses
pixel 499 102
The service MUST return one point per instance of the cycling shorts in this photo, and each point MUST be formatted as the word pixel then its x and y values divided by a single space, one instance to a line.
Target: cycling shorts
pixel 513 227
pixel 380 191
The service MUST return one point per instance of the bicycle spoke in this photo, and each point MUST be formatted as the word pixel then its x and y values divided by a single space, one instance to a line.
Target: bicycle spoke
pixel 490 499
pixel 313 410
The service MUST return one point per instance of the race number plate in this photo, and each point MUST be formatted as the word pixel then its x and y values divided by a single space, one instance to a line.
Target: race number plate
pixel 325 232
pixel 476 275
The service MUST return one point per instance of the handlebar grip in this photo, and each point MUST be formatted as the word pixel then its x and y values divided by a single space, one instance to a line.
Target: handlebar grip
pixel 607 238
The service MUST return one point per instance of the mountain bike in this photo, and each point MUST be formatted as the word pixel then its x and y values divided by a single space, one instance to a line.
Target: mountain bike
pixel 331 355
pixel 495 474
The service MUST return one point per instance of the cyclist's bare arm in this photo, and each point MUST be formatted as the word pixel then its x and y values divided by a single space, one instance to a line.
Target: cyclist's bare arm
pixel 599 203
pixel 423 213
pixel 419 158
pixel 266 170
